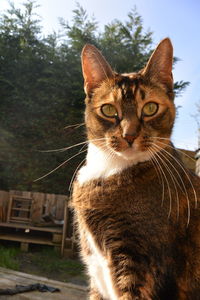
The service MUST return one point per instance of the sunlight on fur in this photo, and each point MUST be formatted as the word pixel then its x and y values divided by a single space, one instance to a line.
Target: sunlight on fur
pixel 136 206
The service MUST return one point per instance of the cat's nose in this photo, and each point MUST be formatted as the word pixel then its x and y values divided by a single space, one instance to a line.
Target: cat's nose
pixel 130 138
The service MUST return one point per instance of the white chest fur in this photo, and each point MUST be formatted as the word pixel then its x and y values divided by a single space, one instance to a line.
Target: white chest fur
pixel 102 163
pixel 99 271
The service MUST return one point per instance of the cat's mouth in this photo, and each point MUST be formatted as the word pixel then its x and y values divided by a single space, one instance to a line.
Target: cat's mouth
pixel 128 151
pixel 142 149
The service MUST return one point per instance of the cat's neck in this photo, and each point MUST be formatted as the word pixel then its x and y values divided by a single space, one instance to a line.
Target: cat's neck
pixel 102 164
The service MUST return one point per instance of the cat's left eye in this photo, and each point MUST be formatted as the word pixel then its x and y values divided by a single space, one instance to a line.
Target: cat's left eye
pixel 109 110
pixel 150 109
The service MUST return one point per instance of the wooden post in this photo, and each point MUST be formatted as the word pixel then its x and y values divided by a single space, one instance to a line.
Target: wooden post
pixel 64 227
pixel 24 246
pixel 198 162
pixel 4 201
pixel 60 206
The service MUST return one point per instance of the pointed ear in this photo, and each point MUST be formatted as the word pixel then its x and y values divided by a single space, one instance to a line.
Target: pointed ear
pixel 95 68
pixel 159 66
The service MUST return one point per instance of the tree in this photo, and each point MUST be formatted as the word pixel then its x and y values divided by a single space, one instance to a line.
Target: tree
pixel 42 90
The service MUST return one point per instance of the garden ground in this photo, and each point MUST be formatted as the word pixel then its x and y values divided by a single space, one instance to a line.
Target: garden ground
pixel 42 261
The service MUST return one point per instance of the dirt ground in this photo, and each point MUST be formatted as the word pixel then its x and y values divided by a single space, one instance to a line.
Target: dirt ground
pixel 9 279
pixel 43 261
pixel 61 269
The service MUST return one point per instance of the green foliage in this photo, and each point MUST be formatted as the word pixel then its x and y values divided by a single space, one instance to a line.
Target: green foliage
pixel 42 90
pixel 125 45
pixel 7 258
pixel 53 262
pixel 32 262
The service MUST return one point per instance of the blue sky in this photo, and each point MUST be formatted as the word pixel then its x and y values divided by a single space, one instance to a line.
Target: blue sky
pixel 179 20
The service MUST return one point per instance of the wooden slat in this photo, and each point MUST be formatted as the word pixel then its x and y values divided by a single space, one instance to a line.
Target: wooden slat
pixel 50 204
pixel 26 239
pixel 60 206
pixel 41 204
pixel 27 226
pixel 16 193
pixel 37 206
pixel 23 198
pixel 19 219
pixel 21 209
pixel 9 209
pixel 64 228
pixel 4 200
pixel 25 195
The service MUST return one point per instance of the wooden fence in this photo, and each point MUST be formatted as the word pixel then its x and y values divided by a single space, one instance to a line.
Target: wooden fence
pixel 36 218
pixel 36 212
pixel 41 205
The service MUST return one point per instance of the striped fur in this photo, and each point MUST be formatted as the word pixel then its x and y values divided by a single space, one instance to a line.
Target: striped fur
pixel 135 204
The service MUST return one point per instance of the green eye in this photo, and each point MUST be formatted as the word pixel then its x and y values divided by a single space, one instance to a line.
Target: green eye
pixel 150 109
pixel 109 110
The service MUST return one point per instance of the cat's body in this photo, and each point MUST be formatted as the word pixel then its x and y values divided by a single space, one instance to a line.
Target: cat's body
pixel 135 203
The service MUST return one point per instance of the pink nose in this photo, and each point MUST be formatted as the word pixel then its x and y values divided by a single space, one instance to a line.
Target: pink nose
pixel 130 138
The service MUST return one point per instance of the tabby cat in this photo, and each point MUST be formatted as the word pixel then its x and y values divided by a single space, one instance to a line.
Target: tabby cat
pixel 135 203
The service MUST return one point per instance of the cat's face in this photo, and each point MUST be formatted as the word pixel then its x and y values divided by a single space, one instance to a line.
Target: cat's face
pixel 127 114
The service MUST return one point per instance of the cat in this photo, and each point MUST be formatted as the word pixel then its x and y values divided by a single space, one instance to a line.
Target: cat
pixel 135 203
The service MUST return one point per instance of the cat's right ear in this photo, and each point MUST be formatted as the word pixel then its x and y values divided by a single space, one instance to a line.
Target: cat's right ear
pixel 95 68
pixel 159 66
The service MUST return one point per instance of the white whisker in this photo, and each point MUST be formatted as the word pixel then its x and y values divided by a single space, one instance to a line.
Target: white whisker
pixel 58 167
pixel 158 148
pixel 178 150
pixel 184 170
pixel 168 185
pixel 70 147
pixel 186 193
pixel 153 160
pixel 174 180
pixel 169 189
pixel 74 125
pixel 74 174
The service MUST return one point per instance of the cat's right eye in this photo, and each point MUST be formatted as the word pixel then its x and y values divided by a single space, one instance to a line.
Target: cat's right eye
pixel 109 110
pixel 150 109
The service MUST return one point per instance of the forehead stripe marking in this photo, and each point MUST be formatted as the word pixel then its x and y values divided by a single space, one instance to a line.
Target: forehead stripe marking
pixel 142 94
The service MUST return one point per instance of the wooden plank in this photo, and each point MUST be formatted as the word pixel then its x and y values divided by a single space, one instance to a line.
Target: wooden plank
pixel 21 209
pixel 16 193
pixel 26 239
pixel 50 204
pixel 37 206
pixel 24 247
pixel 25 195
pixel 64 227
pixel 57 238
pixel 27 226
pixel 19 219
pixel 4 201
pixel 9 208
pixel 19 199
pixel 60 206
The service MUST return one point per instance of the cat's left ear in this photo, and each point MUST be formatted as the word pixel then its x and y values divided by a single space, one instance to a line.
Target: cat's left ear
pixel 159 66
pixel 95 68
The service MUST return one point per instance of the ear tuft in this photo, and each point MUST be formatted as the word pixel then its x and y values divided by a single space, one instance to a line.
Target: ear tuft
pixel 95 68
pixel 159 66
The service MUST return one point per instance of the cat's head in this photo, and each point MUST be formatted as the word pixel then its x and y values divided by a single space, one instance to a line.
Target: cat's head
pixel 127 114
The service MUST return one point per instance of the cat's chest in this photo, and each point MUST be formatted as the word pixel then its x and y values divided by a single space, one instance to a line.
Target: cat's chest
pixel 103 164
